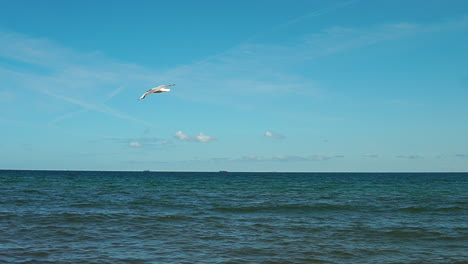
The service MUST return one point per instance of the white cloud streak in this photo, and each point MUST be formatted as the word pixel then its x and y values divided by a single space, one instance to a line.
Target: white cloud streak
pixel 203 138
pixel 135 144
pixel 274 135
pixel 181 136
pixel 410 157
pixel 81 79
pixel 75 78
pixel 197 138
pixel 138 142
pixel 287 158
pixel 96 107
pixel 75 113
pixel 315 13
pixel 258 72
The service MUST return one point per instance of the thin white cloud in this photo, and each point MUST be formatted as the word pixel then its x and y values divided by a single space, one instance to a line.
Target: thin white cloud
pixel 274 135
pixel 87 80
pixel 264 68
pixel 291 158
pixel 114 93
pixel 253 159
pixel 95 107
pixel 286 158
pixel 68 116
pixel 203 138
pixel 410 157
pixel 337 39
pixel 221 56
pixel 75 113
pixel 146 162
pixel 83 79
pixel 250 158
pixel 181 136
pixel 141 142
pixel 325 157
pixel 315 13
pixel 135 144
pixel 197 138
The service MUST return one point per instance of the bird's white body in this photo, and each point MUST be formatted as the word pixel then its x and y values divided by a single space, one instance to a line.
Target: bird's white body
pixel 158 89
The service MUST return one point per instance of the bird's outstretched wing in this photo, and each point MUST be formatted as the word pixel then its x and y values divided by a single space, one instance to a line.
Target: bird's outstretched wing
pixel 158 88
pixel 144 95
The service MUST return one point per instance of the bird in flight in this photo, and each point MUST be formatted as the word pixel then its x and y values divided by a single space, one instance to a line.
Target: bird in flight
pixel 158 89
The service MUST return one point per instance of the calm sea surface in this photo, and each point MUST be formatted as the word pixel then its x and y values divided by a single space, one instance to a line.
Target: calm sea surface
pixel 162 217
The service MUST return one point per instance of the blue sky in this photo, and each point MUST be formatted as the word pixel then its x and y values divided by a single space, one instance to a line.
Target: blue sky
pixel 260 85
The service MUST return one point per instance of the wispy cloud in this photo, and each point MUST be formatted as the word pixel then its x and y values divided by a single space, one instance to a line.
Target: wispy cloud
pixel 197 138
pixel 325 157
pixel 203 138
pixel 248 158
pixel 291 158
pixel 181 136
pixel 253 159
pixel 287 158
pixel 315 13
pixel 371 155
pixel 337 39
pixel 411 157
pixel 452 156
pixel 135 144
pixel 274 135
pixel 145 162
pixel 138 142
pixel 86 80
pixel 256 71
pixel 96 107
pixel 83 110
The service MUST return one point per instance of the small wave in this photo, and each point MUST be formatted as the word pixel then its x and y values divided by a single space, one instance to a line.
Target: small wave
pixel 413 209
pixel 411 232
pixel 131 260
pixel 83 205
pixel 175 217
pixel 298 208
pixel 31 191
pixel 418 209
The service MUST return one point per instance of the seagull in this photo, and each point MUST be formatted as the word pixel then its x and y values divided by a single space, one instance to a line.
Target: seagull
pixel 158 89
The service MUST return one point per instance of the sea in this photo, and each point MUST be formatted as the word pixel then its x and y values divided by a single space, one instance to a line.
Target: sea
pixel 230 217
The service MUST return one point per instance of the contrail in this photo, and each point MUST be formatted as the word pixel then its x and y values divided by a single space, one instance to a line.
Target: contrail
pixel 68 115
pixel 315 13
pixel 83 110
pixel 114 93
pixel 186 68
pixel 102 109
pixel 312 14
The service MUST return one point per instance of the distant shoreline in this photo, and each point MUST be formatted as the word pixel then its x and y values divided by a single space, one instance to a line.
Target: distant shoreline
pixel 223 171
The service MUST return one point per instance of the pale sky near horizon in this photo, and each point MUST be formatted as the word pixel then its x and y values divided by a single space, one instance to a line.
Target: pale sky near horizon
pixel 280 85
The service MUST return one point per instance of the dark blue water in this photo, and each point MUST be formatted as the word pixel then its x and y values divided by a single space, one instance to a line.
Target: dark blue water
pixel 155 217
